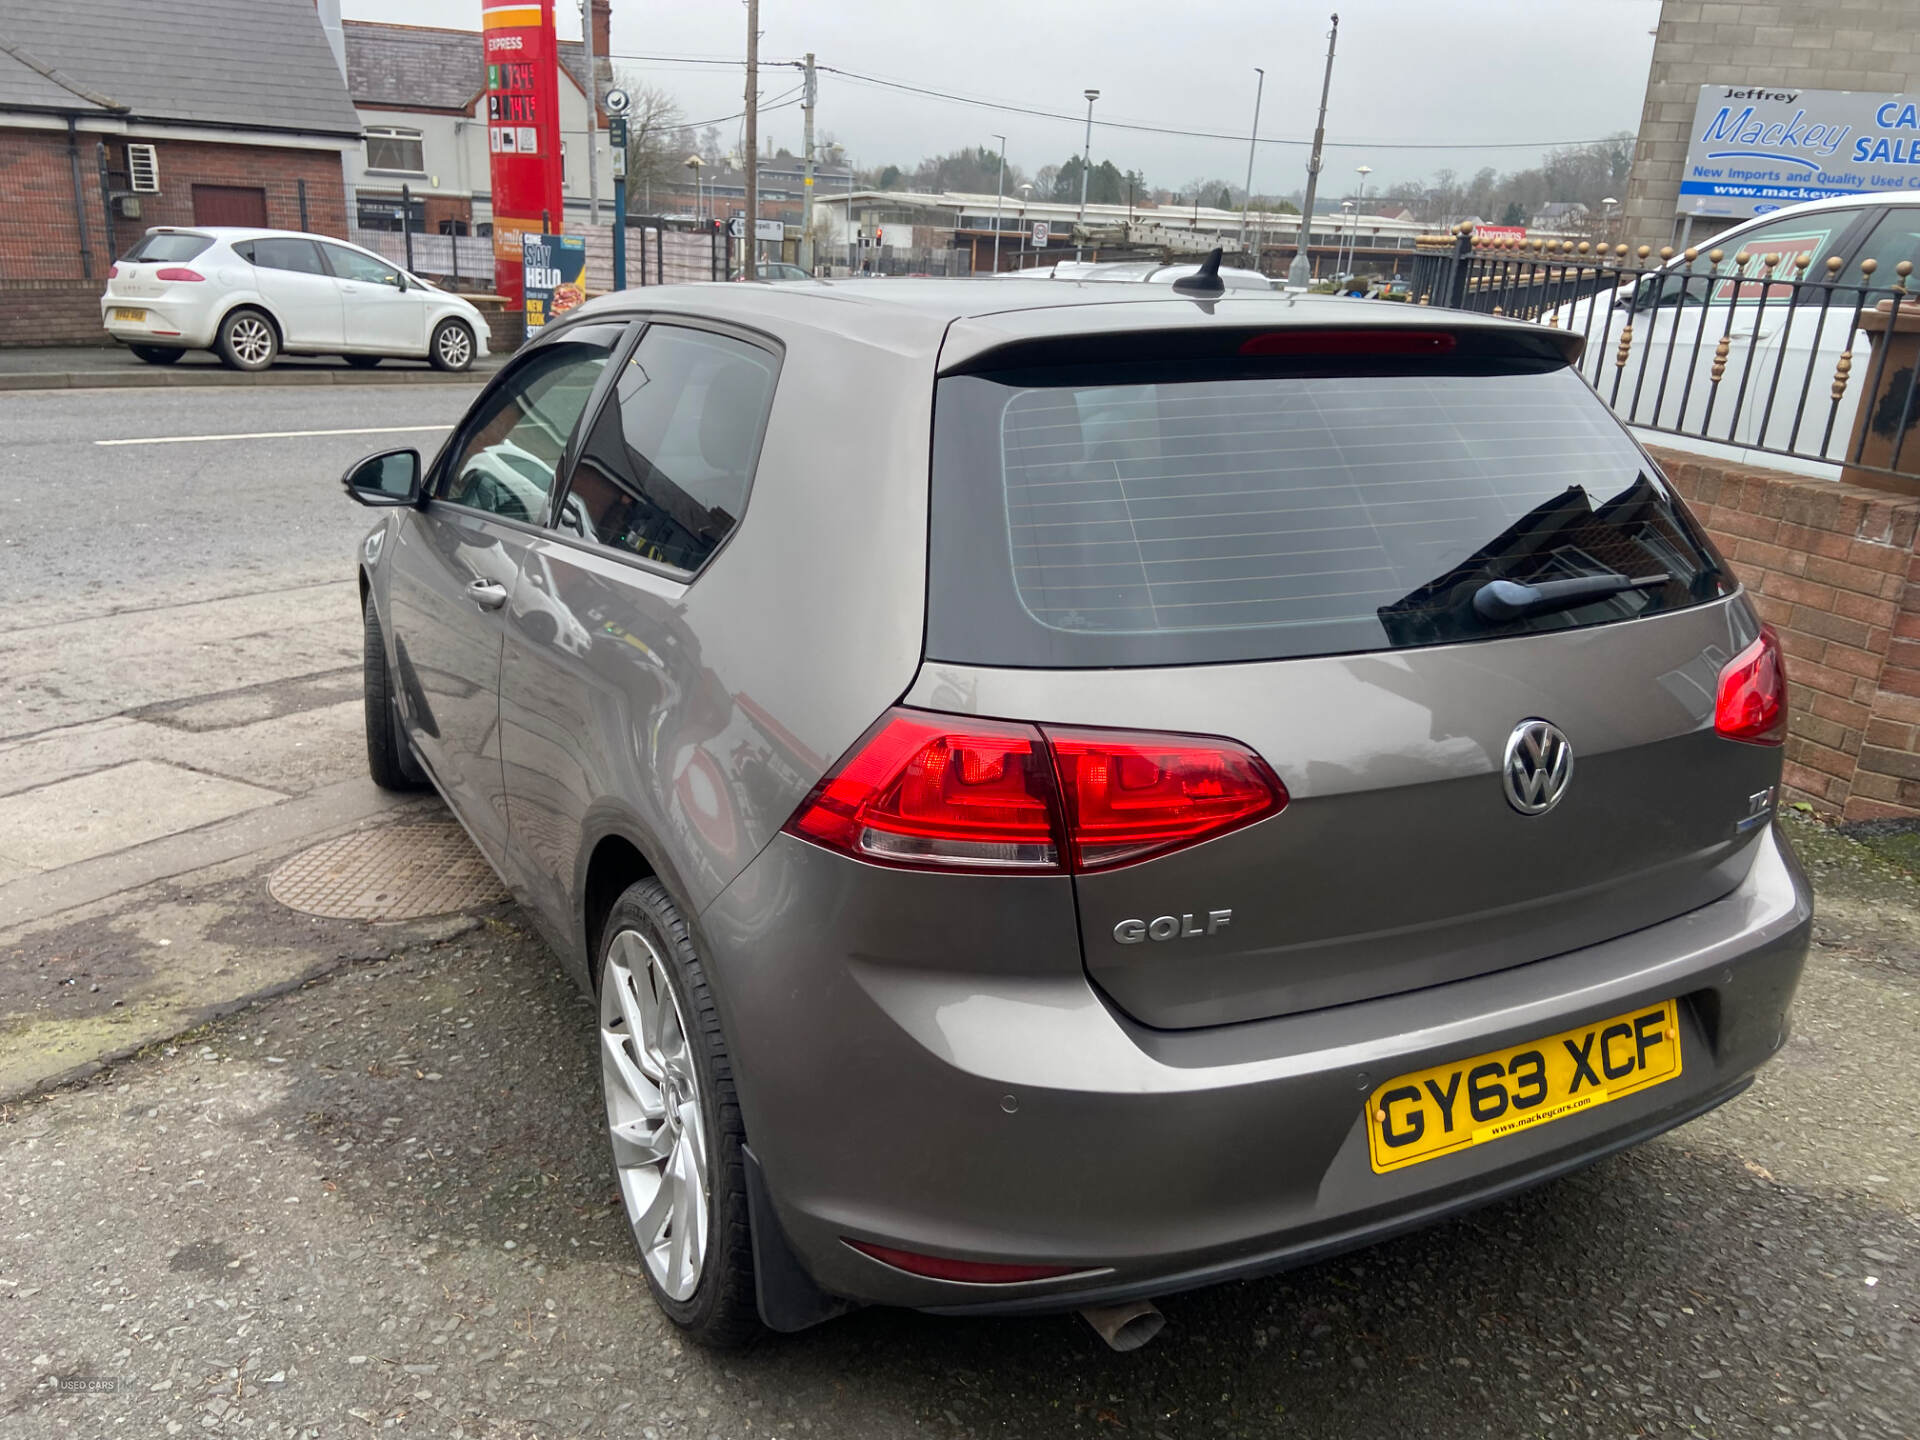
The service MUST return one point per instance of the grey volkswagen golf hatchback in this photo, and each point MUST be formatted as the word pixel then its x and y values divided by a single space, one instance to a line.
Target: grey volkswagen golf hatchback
pixel 1065 795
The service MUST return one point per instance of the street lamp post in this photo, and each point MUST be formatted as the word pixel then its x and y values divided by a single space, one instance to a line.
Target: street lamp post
pixel 1360 205
pixel 1026 194
pixel 1348 216
pixel 1086 167
pixel 1253 140
pixel 1300 271
pixel 999 194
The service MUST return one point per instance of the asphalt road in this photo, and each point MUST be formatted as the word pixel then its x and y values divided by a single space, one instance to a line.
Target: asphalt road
pixel 87 528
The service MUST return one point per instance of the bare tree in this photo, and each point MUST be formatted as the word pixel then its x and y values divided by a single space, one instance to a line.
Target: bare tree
pixel 657 144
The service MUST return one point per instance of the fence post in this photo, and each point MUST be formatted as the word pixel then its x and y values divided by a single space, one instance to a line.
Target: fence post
pixel 406 221
pixel 1462 267
pixel 301 187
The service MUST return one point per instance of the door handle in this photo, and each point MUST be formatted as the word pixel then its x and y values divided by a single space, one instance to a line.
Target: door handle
pixel 487 594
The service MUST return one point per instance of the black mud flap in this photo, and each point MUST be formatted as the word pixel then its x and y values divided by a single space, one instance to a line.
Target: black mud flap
pixel 787 1297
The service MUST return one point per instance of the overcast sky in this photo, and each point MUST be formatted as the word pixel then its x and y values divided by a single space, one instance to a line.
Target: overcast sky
pixel 1495 72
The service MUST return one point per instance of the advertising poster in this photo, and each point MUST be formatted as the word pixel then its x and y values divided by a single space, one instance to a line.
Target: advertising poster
pixel 1754 149
pixel 553 276
pixel 523 129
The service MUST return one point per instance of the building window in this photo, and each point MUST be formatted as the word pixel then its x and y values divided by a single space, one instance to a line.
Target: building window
pixel 389 148
pixel 382 212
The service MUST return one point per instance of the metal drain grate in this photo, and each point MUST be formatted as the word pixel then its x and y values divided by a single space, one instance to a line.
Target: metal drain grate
pixel 397 872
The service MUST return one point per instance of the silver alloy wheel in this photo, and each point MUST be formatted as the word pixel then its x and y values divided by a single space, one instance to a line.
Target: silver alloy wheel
pixel 654 1117
pixel 456 346
pixel 251 339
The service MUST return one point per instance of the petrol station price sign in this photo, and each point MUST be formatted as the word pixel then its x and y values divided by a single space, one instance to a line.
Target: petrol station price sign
pixel 523 131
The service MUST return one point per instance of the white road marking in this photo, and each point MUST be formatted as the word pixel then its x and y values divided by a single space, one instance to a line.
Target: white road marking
pixel 272 435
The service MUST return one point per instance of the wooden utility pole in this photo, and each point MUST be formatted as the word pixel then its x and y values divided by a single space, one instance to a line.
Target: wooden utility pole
pixel 752 147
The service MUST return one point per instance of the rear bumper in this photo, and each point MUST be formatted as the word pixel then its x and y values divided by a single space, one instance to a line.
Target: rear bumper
pixel 916 1075
pixel 162 323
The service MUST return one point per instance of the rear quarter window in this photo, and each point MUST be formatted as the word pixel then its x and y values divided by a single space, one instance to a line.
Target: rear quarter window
pixel 1218 511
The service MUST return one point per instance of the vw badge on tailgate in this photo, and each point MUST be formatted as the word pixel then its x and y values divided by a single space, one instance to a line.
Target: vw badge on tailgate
pixel 1537 768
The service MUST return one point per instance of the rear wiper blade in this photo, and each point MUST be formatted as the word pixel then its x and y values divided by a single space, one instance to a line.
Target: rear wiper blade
pixel 1509 600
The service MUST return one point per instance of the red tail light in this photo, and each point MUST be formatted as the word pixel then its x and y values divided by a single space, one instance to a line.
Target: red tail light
pixel 113 272
pixel 1131 796
pixel 1752 701
pixel 951 792
pixel 178 272
pixel 973 1272
pixel 932 790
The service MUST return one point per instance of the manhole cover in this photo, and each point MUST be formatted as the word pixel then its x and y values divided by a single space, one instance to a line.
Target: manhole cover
pixel 398 872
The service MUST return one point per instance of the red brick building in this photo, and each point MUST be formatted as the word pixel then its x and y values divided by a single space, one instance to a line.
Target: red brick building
pixel 116 117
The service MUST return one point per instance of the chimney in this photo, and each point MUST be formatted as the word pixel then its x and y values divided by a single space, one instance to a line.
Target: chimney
pixel 330 27
pixel 602 28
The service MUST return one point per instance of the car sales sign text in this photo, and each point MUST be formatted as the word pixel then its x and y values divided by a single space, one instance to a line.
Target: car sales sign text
pixel 1756 148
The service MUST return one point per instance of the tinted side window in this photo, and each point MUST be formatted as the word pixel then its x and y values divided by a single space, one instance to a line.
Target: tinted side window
pixel 279 254
pixel 161 249
pixel 352 265
pixel 665 471
pixel 507 454
pixel 1895 238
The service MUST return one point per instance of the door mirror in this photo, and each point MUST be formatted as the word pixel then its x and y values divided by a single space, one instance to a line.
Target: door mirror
pixel 400 280
pixel 389 478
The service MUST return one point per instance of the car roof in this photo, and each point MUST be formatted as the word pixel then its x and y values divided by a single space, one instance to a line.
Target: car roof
pixel 1831 202
pixel 230 233
pixel 957 320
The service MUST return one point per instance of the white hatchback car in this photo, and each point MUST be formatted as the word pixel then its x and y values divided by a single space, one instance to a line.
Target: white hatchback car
pixel 251 295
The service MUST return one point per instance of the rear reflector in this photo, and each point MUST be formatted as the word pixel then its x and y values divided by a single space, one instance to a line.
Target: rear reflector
pixel 178 272
pixel 972 1272
pixel 1350 342
pixel 1752 701
pixel 955 793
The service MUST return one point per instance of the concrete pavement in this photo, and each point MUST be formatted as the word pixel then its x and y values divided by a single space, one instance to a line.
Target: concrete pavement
pixel 179 702
pixel 67 367
pixel 380 1203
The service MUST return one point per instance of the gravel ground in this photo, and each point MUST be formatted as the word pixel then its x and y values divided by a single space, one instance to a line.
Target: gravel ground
pixel 380 1204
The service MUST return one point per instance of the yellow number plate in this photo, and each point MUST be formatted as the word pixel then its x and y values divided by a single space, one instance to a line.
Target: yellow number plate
pixel 134 317
pixel 1469 1102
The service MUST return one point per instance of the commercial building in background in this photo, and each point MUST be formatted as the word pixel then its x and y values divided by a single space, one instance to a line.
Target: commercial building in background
pixel 118 116
pixel 1755 104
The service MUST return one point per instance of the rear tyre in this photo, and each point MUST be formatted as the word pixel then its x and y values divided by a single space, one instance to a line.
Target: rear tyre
pixel 248 340
pixel 452 346
pixel 156 354
pixel 674 1122
pixel 362 362
pixel 386 747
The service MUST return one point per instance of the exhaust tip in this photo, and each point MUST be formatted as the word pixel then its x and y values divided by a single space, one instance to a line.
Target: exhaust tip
pixel 1125 1327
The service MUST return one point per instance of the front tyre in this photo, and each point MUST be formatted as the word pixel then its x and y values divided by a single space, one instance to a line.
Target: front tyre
pixel 247 340
pixel 673 1120
pixel 386 748
pixel 452 346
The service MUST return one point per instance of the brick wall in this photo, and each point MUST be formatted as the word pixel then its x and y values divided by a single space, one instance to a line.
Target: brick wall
pixel 51 312
pixel 1833 568
pixel 40 237
pixel 1863 45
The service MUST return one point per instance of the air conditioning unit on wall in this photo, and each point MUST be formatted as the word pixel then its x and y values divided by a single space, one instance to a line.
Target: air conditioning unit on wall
pixel 143 169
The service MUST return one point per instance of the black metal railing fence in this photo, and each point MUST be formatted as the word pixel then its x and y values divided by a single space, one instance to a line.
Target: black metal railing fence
pixel 1767 352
